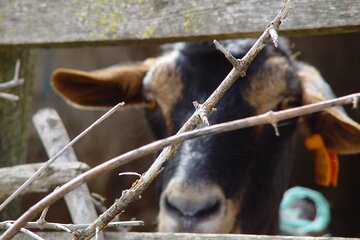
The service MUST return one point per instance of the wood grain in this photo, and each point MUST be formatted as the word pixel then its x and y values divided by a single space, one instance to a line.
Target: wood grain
pixel 56 175
pixel 36 23
pixel 177 236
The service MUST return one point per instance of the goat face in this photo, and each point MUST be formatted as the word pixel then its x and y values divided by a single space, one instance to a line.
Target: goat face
pixel 231 182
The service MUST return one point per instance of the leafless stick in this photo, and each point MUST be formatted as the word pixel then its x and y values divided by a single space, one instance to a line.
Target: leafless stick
pixel 25 231
pixel 42 217
pixel 355 102
pixel 51 160
pixel 130 174
pixel 16 81
pixel 70 228
pixel 129 195
pixel 9 96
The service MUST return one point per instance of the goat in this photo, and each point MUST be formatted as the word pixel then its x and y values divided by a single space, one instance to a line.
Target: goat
pixel 228 183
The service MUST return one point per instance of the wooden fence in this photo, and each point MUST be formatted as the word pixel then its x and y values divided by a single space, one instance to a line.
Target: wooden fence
pixel 28 24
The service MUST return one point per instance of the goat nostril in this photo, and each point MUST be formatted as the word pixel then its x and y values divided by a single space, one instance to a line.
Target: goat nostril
pixel 171 208
pixel 210 209
pixel 189 208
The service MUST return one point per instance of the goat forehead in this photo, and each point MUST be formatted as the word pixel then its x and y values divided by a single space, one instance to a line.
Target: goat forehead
pixel 192 71
pixel 192 154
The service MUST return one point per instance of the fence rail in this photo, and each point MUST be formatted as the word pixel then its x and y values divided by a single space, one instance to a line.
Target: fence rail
pixel 36 23
pixel 177 236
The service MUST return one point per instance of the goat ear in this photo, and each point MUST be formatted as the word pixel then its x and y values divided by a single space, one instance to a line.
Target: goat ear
pixel 103 88
pixel 340 133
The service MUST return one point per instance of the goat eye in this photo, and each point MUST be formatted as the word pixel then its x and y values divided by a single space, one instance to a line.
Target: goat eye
pixel 150 101
pixel 287 102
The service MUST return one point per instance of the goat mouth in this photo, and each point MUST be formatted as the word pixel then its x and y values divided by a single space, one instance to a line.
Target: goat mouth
pixel 207 210
pixel 199 209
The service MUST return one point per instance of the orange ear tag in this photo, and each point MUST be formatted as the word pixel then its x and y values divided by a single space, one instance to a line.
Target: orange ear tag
pixel 326 161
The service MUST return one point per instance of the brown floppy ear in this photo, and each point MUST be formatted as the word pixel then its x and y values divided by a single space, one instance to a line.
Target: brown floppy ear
pixel 102 88
pixel 340 133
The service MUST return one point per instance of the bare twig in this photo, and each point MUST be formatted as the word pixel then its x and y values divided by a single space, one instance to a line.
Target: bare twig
pixel 23 230
pixel 155 146
pixel 9 96
pixel 272 120
pixel 355 102
pixel 13 177
pixel 42 217
pixel 16 81
pixel 41 220
pixel 201 112
pixel 227 54
pixel 130 174
pixel 51 160
pixel 70 228
pixel 274 36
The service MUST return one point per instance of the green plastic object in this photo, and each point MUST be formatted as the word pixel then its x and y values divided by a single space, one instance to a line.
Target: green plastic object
pixel 290 217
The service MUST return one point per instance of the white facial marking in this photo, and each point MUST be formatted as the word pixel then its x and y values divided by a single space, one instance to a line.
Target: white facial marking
pixel 169 58
pixel 188 155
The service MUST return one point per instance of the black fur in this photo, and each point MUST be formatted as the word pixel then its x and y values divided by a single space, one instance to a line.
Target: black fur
pixel 248 164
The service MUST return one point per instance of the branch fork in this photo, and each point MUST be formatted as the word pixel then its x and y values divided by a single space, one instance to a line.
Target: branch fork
pixel 273 121
pixel 238 64
pixel 14 82
pixel 355 102
pixel 202 112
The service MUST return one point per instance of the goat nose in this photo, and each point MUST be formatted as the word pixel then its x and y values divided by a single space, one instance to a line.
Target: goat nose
pixel 189 208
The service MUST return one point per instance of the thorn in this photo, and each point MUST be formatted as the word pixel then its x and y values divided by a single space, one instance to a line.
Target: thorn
pixel 227 54
pixel 196 105
pixel 130 174
pixel 160 170
pixel 355 102
pixel 277 133
pixel 63 228
pixel 273 122
pixel 98 197
pixel 274 36
pixel 201 112
pixel 41 221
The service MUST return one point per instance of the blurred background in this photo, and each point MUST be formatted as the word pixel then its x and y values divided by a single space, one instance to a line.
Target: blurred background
pixel 337 57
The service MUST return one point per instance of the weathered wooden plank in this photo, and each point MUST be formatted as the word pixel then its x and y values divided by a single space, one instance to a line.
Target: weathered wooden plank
pixel 54 137
pixel 56 175
pixel 178 236
pixel 64 23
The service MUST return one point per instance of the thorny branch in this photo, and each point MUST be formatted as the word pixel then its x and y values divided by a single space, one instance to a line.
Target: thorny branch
pixel 14 82
pixel 239 69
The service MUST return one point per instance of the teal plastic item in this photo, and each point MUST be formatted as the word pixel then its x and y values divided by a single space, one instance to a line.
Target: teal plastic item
pixel 290 221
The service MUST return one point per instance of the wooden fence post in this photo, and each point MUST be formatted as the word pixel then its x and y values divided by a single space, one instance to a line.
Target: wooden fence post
pixel 15 115
pixel 54 137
